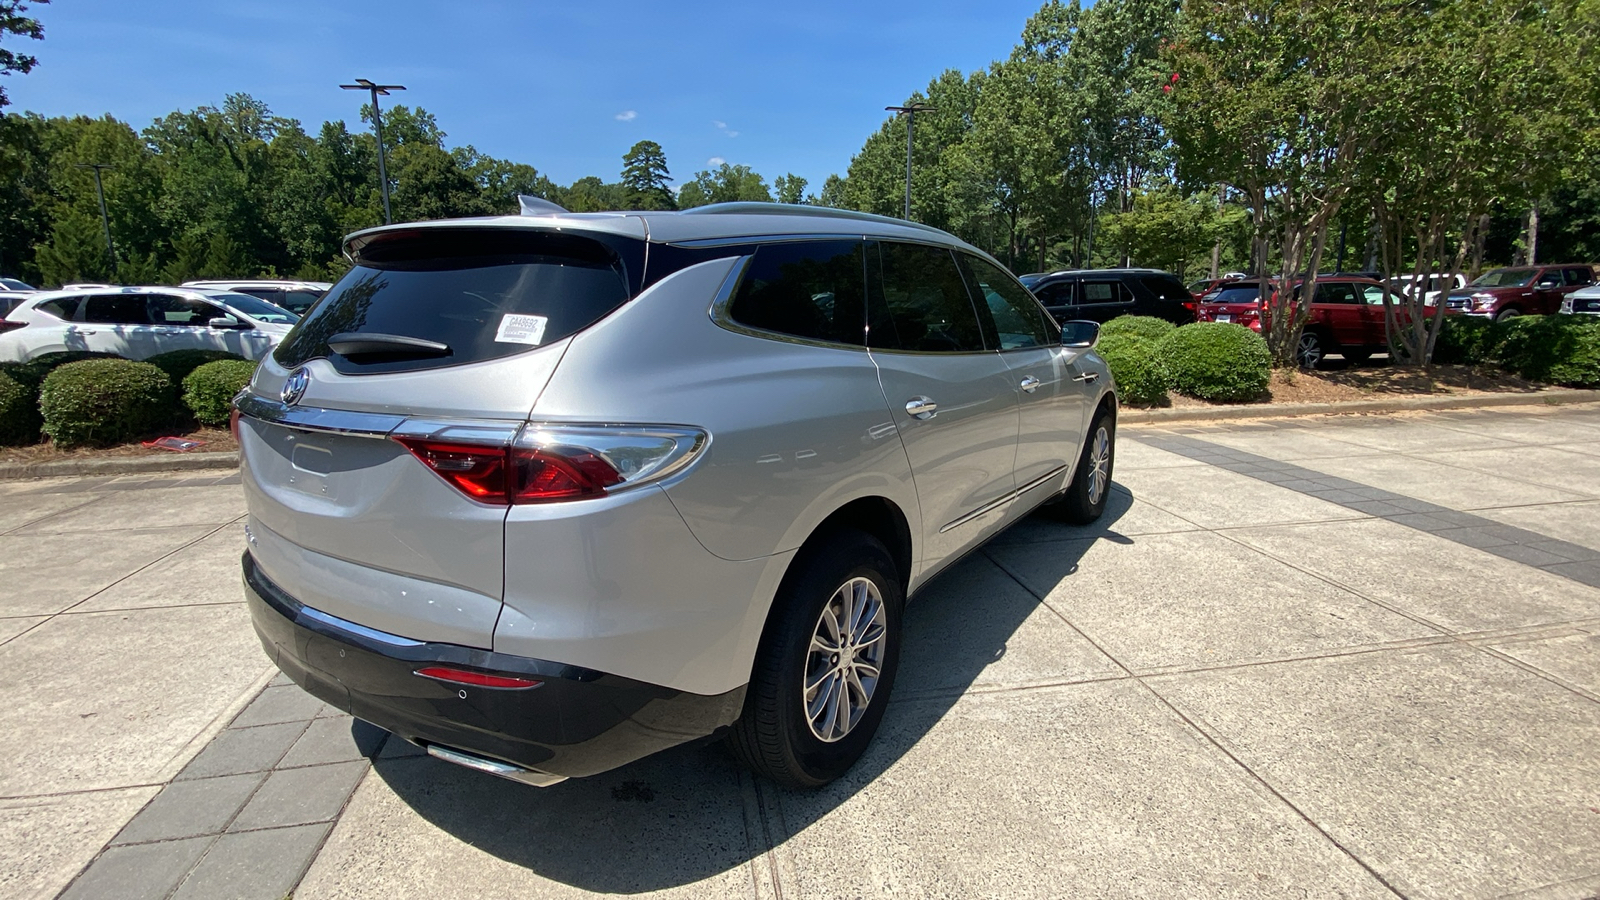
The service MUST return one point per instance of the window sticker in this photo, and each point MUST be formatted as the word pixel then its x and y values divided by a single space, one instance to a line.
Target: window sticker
pixel 517 329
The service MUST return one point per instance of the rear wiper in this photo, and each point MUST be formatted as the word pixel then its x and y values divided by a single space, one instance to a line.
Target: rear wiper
pixel 350 343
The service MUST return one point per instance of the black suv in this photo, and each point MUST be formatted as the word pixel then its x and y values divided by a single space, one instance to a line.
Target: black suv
pixel 1104 294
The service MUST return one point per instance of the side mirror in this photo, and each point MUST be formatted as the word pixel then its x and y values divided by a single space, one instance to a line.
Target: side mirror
pixel 1080 334
pixel 228 323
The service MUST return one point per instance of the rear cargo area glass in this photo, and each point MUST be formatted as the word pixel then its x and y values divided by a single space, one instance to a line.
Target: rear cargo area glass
pixel 483 294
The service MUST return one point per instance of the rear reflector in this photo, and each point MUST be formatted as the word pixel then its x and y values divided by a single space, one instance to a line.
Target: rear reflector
pixel 476 679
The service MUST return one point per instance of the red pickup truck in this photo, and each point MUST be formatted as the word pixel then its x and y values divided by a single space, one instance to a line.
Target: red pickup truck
pixel 1346 317
pixel 1519 290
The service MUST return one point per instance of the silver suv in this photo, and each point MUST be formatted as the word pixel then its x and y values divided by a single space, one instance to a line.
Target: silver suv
pixel 547 493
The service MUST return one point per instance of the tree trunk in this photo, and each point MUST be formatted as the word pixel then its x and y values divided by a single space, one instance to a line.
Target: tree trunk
pixel 1533 235
pixel 1216 259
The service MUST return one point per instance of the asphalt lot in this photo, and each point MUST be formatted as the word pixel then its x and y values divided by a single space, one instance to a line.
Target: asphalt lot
pixel 1330 657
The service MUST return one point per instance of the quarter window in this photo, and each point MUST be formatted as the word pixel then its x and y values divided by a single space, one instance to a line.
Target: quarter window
pixel 1018 320
pixel 917 301
pixel 810 290
pixel 63 308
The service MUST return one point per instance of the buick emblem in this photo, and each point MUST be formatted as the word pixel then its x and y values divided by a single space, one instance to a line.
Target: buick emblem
pixel 294 387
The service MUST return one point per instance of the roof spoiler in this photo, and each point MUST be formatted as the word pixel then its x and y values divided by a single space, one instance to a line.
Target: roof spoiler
pixel 538 206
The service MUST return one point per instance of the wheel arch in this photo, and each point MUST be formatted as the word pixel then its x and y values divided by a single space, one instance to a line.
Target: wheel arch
pixel 875 515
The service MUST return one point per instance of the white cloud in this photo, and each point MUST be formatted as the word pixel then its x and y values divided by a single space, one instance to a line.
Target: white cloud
pixel 715 161
pixel 719 124
pixel 627 115
pixel 723 127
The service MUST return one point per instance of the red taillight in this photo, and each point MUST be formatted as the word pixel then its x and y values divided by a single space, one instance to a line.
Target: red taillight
pixel 476 679
pixel 505 475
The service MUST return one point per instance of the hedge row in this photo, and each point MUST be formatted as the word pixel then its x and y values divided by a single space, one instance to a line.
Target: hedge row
pixel 1212 361
pixel 96 398
pixel 1558 349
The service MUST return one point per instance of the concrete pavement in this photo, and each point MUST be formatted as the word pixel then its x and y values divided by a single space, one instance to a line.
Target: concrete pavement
pixel 1318 657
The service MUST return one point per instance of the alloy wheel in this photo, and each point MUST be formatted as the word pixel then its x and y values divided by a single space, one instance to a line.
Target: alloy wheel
pixel 1309 352
pixel 845 660
pixel 1099 462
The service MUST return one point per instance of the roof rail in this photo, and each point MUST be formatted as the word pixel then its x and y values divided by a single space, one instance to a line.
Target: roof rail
pixel 537 206
pixel 753 208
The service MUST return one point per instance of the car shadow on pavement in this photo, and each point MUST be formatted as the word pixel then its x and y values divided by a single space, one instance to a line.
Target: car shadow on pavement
pixel 691 813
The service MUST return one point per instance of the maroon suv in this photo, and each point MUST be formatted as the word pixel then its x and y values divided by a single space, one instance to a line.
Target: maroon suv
pixel 1346 316
pixel 1519 291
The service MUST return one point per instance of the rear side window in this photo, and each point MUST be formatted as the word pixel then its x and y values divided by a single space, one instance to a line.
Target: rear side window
pixel 917 301
pixel 1165 287
pixel 1580 276
pixel 811 290
pixel 461 295
pixel 64 308
pixel 1336 293
pixel 117 309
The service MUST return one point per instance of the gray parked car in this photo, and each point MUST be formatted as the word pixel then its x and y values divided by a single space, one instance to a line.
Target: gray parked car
pixel 547 493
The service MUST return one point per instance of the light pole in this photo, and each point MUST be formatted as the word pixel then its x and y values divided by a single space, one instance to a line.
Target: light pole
pixel 363 84
pixel 910 112
pixel 105 219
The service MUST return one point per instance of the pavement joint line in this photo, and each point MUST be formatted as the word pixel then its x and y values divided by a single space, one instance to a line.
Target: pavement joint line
pixel 1534 670
pixel 74 611
pixel 754 806
pixel 1205 734
pixel 82 791
pixel 165 556
pixel 1452 635
pixel 45 518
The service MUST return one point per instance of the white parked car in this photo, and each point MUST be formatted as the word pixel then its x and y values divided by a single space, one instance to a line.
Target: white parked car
pixel 295 296
pixel 140 322
pixel 12 284
pixel 1408 285
pixel 1585 301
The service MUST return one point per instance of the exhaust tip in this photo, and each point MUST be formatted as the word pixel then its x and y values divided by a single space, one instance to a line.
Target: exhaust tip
pixel 494 767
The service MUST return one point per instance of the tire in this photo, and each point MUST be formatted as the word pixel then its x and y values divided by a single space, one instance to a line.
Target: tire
pixel 1084 500
pixel 1510 312
pixel 777 735
pixel 1311 350
pixel 1356 357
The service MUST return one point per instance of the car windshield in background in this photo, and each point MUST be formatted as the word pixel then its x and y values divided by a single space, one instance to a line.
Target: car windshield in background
pixel 463 296
pixel 259 309
pixel 1247 293
pixel 1505 278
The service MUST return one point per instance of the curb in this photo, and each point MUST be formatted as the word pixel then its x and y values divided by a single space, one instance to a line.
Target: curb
pixel 130 465
pixel 1128 416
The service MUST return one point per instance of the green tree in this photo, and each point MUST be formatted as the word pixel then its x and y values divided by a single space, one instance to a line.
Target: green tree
pixel 790 188
pixel 645 176
pixel 727 184
pixel 14 22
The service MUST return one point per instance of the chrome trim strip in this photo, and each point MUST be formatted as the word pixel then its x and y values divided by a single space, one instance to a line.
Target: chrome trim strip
pixel 494 767
pixel 371 634
pixel 310 418
pixel 752 239
pixel 992 505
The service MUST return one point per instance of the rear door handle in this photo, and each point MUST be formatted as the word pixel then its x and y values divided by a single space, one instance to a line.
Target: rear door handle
pixel 922 408
pixel 76 330
pixel 1030 384
pixel 1088 376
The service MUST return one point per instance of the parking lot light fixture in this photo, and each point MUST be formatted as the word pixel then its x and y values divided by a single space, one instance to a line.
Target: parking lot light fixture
pixel 910 112
pixel 363 84
pixel 105 219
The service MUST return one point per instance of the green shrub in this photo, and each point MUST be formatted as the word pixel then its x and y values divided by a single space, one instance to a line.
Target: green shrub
pixel 1553 349
pixel 209 390
pixel 179 363
pixel 1216 361
pixel 34 371
pixel 19 412
pixel 1465 341
pixel 1141 379
pixel 1150 328
pixel 103 401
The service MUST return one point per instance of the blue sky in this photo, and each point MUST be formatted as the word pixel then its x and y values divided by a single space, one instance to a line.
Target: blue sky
pixel 565 87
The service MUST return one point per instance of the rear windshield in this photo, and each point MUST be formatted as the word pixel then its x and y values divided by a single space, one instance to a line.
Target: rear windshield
pixel 1243 293
pixel 469 294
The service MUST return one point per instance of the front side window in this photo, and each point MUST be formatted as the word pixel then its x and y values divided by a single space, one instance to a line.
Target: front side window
pixel 918 301
pixel 1018 320
pixel 812 290
pixel 1373 295
pixel 164 309
pixel 1056 293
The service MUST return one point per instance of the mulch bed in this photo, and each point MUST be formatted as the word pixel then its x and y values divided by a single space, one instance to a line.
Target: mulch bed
pixel 1377 381
pixel 214 440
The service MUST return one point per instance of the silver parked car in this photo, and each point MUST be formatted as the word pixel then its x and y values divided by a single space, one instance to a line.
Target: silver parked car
pixel 547 493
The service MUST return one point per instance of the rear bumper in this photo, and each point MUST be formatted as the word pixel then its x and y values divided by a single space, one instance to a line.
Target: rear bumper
pixel 576 722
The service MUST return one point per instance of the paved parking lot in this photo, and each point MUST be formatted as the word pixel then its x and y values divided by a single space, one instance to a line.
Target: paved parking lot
pixel 1352 657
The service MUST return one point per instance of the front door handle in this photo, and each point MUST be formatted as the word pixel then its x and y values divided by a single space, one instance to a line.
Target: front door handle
pixel 1030 384
pixel 922 408
pixel 1088 376
pixel 76 330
